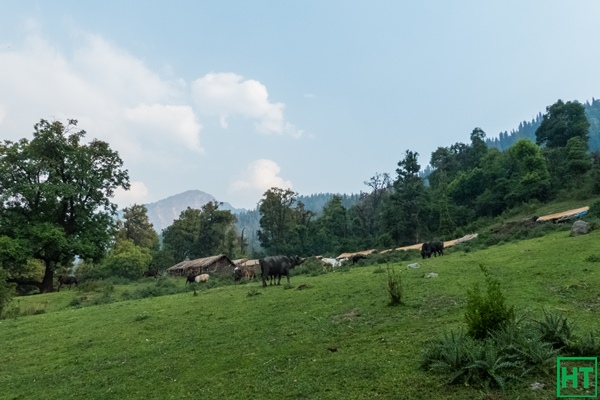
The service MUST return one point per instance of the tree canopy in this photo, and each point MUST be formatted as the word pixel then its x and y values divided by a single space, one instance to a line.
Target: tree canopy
pixel 562 122
pixel 56 193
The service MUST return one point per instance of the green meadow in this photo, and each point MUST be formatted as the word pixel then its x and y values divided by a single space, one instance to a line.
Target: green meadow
pixel 330 336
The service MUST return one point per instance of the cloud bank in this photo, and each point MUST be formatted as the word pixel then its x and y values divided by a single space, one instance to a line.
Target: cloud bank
pixel 146 117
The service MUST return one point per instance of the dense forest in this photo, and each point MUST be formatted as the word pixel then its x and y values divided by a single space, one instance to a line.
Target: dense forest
pixel 526 129
pixel 56 194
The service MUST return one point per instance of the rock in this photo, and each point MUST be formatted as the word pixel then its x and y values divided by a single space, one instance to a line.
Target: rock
pixel 580 228
pixel 431 275
pixel 413 265
pixel 536 386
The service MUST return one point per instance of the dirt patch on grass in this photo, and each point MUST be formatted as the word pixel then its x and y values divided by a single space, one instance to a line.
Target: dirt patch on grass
pixel 434 304
pixel 349 316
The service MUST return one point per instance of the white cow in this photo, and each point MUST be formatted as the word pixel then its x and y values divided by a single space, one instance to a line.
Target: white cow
pixel 201 278
pixel 330 263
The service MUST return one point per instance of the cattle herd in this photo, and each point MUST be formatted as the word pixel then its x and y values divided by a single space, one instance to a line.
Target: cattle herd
pixel 274 267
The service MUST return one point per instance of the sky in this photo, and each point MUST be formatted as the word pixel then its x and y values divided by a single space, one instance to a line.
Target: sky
pixel 235 97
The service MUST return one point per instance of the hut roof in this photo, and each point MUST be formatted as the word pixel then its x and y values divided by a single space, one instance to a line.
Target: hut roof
pixel 555 216
pixel 250 263
pixel 199 262
pixel 364 253
pixel 239 261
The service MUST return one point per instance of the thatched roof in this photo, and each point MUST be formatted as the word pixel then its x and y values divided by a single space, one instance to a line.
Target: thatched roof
pixel 201 263
pixel 250 263
pixel 575 212
pixel 364 253
pixel 240 261
pixel 448 243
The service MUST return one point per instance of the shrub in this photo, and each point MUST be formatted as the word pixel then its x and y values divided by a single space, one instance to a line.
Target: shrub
pixel 594 211
pixel 593 258
pixel 6 292
pixel 588 346
pixel 394 288
pixel 556 330
pixel 487 312
pixel 448 355
pixel 96 286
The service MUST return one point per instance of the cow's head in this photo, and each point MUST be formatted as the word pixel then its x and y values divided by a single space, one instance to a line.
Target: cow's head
pixel 297 260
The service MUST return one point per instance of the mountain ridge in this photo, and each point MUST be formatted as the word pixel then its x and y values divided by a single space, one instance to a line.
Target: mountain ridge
pixel 163 212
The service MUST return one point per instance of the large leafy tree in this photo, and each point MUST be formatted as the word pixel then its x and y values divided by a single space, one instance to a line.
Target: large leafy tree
pixel 277 219
pixel 285 224
pixel 201 233
pixel 529 175
pixel 562 122
pixel 217 231
pixel 137 227
pixel 181 236
pixel 56 193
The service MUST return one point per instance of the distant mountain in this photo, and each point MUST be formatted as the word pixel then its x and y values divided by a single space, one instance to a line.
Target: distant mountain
pixel 163 212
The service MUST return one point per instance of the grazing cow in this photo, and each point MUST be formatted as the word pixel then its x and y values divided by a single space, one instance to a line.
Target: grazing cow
pixel 66 280
pixel 153 274
pixel 330 263
pixel 357 257
pixel 243 272
pixel 425 252
pixel 191 278
pixel 275 266
pixel 435 248
pixel 237 274
pixel 201 278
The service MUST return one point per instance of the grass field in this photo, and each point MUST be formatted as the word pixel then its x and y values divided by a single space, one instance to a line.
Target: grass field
pixel 336 339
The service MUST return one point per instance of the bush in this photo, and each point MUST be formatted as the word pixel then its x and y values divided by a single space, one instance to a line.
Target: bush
pixel 594 211
pixel 6 292
pixel 588 346
pixel 394 288
pixel 486 313
pixel 556 330
pixel 310 267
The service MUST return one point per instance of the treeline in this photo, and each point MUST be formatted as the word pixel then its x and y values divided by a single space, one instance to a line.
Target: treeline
pixel 56 191
pixel 527 129
pixel 466 182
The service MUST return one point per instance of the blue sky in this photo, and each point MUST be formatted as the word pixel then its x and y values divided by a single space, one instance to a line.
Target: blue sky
pixel 233 97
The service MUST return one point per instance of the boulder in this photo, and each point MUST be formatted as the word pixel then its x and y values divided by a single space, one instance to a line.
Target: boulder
pixel 413 265
pixel 431 275
pixel 580 228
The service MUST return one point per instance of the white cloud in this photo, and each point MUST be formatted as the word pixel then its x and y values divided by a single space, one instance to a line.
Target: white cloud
pixel 257 178
pixel 137 193
pixel 152 120
pixel 112 94
pixel 165 120
pixel 225 95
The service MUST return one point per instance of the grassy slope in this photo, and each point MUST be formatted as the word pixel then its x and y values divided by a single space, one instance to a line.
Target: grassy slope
pixel 223 344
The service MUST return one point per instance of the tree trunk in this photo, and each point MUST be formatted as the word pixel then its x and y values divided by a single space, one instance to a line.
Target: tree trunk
pixel 48 281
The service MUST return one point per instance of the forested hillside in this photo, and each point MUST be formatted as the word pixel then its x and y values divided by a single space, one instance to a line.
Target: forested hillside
pixel 526 129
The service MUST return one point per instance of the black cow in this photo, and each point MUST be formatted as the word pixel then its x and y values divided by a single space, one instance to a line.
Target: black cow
pixel 425 252
pixel 276 266
pixel 436 248
pixel 154 274
pixel 430 248
pixel 357 257
pixel 191 278
pixel 66 280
